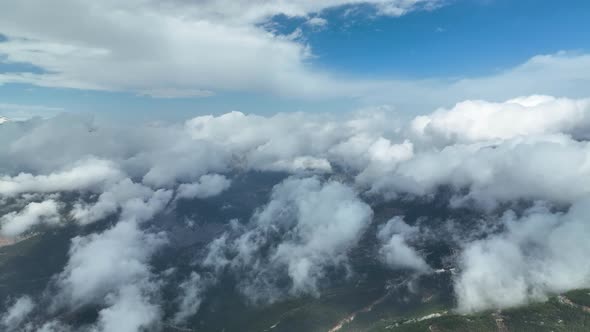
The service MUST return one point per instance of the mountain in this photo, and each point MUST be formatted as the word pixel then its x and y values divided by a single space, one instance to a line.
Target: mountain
pixel 372 297
pixel 566 312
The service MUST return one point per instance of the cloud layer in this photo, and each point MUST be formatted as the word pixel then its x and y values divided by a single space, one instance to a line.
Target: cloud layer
pixel 523 164
pixel 199 48
pixel 540 253
pixel 15 224
pixel 193 47
pixel 307 227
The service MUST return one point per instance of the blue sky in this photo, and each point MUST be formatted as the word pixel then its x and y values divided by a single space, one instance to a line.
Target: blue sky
pixel 464 38
pixel 370 51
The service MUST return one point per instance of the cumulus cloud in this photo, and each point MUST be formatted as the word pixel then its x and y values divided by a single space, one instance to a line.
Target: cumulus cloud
pixel 191 295
pixel 568 73
pixel 203 36
pixel 307 227
pixel 209 185
pixel 15 224
pixel 100 263
pixel 395 250
pixel 19 112
pixel 17 313
pixel 477 120
pixel 539 254
pixel 111 269
pixel 494 172
pixel 317 22
pixel 476 151
pixel 84 175
pixel 54 326
pixel 200 38
pixel 387 159
pixel 129 311
pixel 382 156
pixel 110 201
pixel 314 142
pixel 257 10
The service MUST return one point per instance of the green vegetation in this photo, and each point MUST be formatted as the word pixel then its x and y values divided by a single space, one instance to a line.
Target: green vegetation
pixel 27 266
pixel 580 297
pixel 566 313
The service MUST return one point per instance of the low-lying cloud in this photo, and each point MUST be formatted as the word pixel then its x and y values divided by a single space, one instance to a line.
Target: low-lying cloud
pixel 395 250
pixel 539 254
pixel 307 227
pixel 335 167
pixel 15 224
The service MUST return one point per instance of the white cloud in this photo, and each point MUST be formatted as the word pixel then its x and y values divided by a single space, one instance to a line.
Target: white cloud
pixel 313 140
pixel 110 201
pixel 53 326
pixel 560 74
pixel 111 269
pixel 395 251
pixel 317 22
pixel 307 227
pixel 476 120
pixel 190 297
pixel 383 157
pixel 18 112
pixel 17 313
pixel 492 172
pixel 140 209
pixel 330 219
pixel 260 10
pixel 197 48
pixel 180 55
pixel 500 162
pixel 15 224
pixel 524 149
pixel 209 185
pixel 177 93
pixel 129 311
pixel 84 175
pixel 101 263
pixel 540 254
